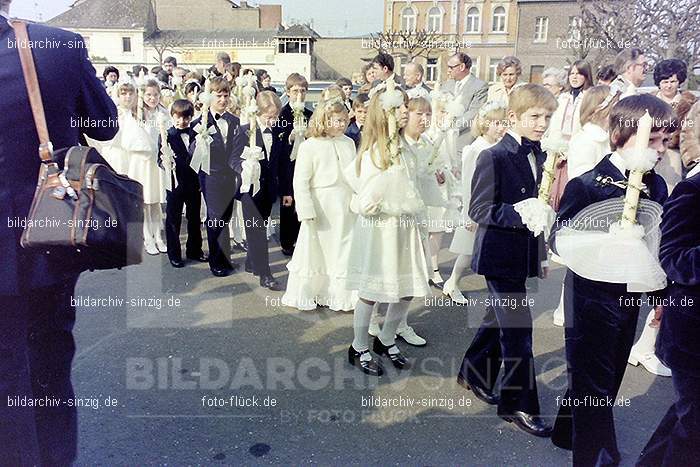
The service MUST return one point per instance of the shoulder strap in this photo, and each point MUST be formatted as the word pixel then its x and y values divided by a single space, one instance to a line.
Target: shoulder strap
pixel 32 83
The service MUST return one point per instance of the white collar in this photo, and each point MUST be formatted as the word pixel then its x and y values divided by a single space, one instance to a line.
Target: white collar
pixel 261 127
pixel 618 162
pixel 515 136
pixel 595 132
pixel 411 141
pixel 5 14
pixel 694 171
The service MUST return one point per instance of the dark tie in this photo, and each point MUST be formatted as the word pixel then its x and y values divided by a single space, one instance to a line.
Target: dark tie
pixel 217 116
pixel 528 146
pixel 182 131
pixel 267 131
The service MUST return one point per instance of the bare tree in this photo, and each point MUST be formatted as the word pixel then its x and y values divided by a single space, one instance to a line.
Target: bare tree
pixel 662 28
pixel 164 41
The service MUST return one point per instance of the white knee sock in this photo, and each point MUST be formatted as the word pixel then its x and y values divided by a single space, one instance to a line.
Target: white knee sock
pixel 156 220
pixel 360 324
pixel 461 264
pixel 435 242
pixel 147 233
pixel 394 315
pixel 647 340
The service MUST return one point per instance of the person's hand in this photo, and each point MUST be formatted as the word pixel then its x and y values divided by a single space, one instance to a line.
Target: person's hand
pixel 457 173
pixel 287 201
pixel 658 312
pixel 471 226
pixel 440 176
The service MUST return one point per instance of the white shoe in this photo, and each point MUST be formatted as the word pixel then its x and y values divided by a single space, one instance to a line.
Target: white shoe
pixel 649 361
pixel 410 336
pixel 374 329
pixel 161 246
pixel 150 247
pixel 454 293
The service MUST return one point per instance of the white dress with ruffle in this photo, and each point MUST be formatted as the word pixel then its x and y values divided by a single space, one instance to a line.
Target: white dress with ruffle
pixel 319 266
pixel 387 261
pixel 143 165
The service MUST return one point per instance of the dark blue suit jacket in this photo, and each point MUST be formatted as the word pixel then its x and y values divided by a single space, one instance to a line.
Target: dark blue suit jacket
pixel 583 191
pixel 354 133
pixel 186 176
pixel 678 344
pixel 269 167
pixel 504 247
pixel 282 149
pixel 75 102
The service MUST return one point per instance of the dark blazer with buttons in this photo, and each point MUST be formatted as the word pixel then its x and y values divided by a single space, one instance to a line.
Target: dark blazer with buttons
pixel 186 176
pixel 503 246
pixel 354 133
pixel 678 344
pixel 73 104
pixel 269 167
pixel 282 149
pixel 583 191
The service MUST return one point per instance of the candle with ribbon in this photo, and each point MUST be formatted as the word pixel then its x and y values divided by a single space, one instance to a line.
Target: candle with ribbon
pixel 140 89
pixel 201 155
pixel 167 155
pixel 390 103
pixel 556 147
pixel 634 183
pixel 252 154
pixel 298 129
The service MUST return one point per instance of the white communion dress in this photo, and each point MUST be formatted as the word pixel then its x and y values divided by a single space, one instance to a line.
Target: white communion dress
pixel 387 261
pixel 318 269
pixel 143 165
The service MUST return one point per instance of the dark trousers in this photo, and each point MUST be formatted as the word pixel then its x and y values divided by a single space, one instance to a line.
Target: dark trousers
pixel 185 194
pixel 289 226
pixel 256 211
pixel 677 438
pixel 599 336
pixel 505 336
pixel 36 351
pixel 219 191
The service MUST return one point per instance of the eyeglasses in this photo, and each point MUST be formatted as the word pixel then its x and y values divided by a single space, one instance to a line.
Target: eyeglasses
pixel 452 67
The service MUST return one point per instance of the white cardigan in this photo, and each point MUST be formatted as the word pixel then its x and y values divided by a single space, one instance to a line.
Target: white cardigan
pixel 586 148
pixel 319 164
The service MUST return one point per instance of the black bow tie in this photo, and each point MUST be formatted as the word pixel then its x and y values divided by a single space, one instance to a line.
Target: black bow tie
pixel 182 131
pixel 218 116
pixel 527 146
pixel 267 130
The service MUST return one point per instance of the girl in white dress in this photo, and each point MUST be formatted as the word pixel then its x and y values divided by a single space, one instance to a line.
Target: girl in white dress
pixel 387 263
pixel 489 127
pixel 143 167
pixel 441 190
pixel 319 265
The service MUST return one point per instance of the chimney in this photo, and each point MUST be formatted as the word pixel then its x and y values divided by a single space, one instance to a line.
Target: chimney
pixel 243 3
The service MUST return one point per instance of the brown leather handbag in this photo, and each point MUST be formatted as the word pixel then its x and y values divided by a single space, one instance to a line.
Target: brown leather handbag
pixel 83 212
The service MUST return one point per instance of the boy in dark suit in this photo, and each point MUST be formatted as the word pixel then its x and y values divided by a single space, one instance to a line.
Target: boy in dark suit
pixel 676 440
pixel 359 108
pixel 296 86
pixel 601 317
pixel 507 253
pixel 258 206
pixel 186 192
pixel 222 182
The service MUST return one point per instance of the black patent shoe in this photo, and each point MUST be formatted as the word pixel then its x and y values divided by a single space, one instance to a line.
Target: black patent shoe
pixel 532 424
pixel 371 367
pixel 397 359
pixel 480 393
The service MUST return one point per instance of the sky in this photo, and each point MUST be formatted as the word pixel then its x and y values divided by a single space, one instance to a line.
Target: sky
pixel 330 17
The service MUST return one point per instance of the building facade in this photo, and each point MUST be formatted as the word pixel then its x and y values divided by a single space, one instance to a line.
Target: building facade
pixel 484 29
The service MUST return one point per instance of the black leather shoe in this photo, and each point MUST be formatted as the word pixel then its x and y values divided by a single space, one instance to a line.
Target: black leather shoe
pixel 222 272
pixel 249 268
pixel 240 246
pixel 438 286
pixel 287 251
pixel 397 359
pixel 480 393
pixel 269 282
pixel 177 263
pixel 532 424
pixel 202 258
pixel 370 367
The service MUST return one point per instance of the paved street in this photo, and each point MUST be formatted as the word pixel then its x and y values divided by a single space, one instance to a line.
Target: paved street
pixel 209 370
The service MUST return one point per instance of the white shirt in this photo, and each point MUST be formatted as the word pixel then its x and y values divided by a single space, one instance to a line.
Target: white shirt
pixel 618 162
pixel 223 126
pixel 530 157
pixel 418 91
pixel 185 139
pixel 459 85
pixel 266 136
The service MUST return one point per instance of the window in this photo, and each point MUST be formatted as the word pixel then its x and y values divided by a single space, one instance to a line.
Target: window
pixel 541 27
pixel 431 69
pixel 499 20
pixel 408 19
pixel 293 46
pixel 536 73
pixel 473 20
pixel 475 67
pixel 493 64
pixel 435 19
pixel 126 44
pixel 574 32
pixel 86 39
